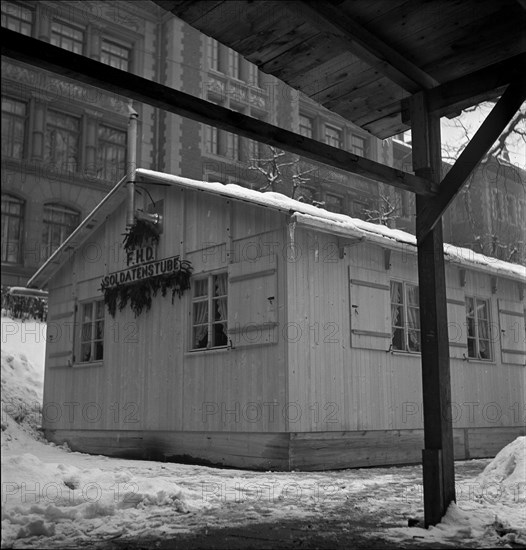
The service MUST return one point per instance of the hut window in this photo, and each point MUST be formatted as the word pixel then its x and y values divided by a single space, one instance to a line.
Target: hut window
pixel 92 331
pixel 12 225
pixel 209 312
pixel 405 317
pixel 478 323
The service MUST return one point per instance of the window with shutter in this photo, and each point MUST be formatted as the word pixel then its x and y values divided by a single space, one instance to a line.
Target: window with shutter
pixel 512 332
pixel 60 335
pixel 370 310
pixel 253 302
pixel 456 324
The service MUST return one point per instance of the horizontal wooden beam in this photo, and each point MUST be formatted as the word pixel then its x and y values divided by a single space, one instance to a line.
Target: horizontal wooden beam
pixel 480 143
pixel 45 56
pixel 466 91
pixel 329 18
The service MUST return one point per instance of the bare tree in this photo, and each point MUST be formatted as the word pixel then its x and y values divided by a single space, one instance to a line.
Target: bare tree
pixel 284 173
pixel 384 213
pixel 499 237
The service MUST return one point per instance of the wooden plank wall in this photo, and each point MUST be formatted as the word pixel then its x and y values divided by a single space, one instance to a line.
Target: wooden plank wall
pixel 149 380
pixel 374 389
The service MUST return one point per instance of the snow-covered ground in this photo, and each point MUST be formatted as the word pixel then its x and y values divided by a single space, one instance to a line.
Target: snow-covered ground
pixel 55 498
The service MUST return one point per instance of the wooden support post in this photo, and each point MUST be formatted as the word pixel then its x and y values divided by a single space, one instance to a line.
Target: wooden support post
pixel 438 461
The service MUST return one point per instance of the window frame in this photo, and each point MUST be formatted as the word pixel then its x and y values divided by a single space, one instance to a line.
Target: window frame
pixel 47 241
pixel 93 340
pixel 79 145
pixel 12 119
pixel 10 17
pixel 114 41
pixel 213 55
pixel 329 140
pixel 477 337
pixel 63 37
pixel 102 165
pixel 405 327
pixel 356 150
pixel 209 299
pixel 5 234
pixel 309 128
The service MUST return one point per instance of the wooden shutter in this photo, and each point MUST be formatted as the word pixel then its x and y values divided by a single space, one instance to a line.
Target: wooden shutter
pixel 456 323
pixel 60 334
pixel 512 332
pixel 370 310
pixel 253 302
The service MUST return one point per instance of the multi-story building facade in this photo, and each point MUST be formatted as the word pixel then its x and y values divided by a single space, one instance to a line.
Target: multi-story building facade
pixel 64 143
pixel 487 216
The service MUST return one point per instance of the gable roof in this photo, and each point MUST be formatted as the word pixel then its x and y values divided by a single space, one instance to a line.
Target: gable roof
pixel 301 214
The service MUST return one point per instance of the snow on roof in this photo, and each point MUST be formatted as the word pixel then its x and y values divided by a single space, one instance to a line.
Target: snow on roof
pixel 302 213
pixel 340 224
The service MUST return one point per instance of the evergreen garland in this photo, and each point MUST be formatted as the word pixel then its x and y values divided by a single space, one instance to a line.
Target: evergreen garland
pixel 142 232
pixel 139 293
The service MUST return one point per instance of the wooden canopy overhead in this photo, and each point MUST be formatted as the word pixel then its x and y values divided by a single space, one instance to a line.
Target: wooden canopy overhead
pixel 362 58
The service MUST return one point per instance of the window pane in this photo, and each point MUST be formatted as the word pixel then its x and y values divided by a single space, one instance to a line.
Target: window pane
pixel 86 333
pixel 412 295
pixel 220 335
pixel 200 337
pixel 305 126
pixel 396 292
pixel 85 352
pixel 398 339
pixel 200 287
pixel 12 222
pixel 99 349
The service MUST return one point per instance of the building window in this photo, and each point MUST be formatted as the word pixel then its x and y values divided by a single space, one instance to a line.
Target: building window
pixel 61 146
pixel 254 76
pixel 232 146
pixel 12 224
pixel 67 37
pixel 111 153
pixel 209 312
pixel 512 212
pixel 401 203
pixel 13 127
pixel 478 322
pixel 59 223
pixel 358 145
pixel 333 203
pixel 115 54
pixel 92 331
pixel 333 136
pixel 305 126
pixel 234 64
pixel 17 18
pixel 213 54
pixel 211 141
pixel 405 317
pixel 306 194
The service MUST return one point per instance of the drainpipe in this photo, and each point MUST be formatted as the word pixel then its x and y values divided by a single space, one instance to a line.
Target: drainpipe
pixel 132 163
